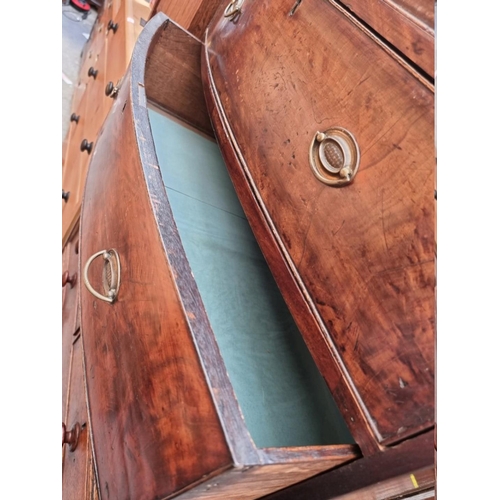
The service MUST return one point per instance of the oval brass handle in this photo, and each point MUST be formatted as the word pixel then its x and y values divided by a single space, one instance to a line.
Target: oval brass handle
pixel 71 437
pixel 110 275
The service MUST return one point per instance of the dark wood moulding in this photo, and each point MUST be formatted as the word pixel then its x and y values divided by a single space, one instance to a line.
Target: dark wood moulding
pixel 355 264
pixel 163 413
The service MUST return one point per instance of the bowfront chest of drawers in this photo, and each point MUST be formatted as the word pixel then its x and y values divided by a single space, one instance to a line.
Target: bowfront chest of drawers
pixel 248 254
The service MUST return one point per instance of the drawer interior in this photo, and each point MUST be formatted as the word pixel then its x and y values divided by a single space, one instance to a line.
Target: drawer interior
pixel 283 397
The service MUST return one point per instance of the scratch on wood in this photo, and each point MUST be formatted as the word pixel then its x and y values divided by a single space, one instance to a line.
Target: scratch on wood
pixel 356 342
pixel 341 226
pixel 383 222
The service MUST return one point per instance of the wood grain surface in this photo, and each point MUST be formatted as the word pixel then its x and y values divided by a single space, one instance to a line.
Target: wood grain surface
pixel 253 482
pixel 74 463
pixel 362 256
pixel 193 15
pixel 163 413
pixel 408 26
pixel 74 166
pixel 413 456
pixel 173 78
pixel 70 319
pixel 148 402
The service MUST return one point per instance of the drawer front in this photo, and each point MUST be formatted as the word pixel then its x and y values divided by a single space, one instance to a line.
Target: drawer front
pixel 116 62
pixel 78 94
pixel 406 24
pixel 95 49
pixel 355 263
pixel 140 344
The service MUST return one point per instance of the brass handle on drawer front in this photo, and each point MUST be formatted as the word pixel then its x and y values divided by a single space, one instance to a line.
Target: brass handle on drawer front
pixel 92 72
pixel 71 437
pixel 74 118
pixel 110 275
pixel 65 195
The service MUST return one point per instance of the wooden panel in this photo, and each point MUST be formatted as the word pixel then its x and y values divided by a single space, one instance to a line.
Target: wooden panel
pixel 173 78
pixel 72 180
pixel 192 15
pixel 140 345
pixel 78 93
pixel 74 466
pixel 69 311
pixel 164 415
pixel 251 483
pixel 94 53
pixel 97 103
pixel 116 61
pixel 404 459
pixel 137 11
pixel 406 486
pixel 363 255
pixel 408 25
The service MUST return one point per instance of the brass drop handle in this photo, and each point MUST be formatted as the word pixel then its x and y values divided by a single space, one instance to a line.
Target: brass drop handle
pixel 71 437
pixel 112 26
pixel 92 72
pixel 86 146
pixel 110 275
pixel 74 118
pixel 66 278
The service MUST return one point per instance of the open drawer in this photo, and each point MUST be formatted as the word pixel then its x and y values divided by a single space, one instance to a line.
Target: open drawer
pixel 199 383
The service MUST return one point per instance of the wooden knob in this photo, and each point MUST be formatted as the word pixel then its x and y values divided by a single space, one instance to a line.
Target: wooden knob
pixel 86 146
pixel 112 26
pixel 92 72
pixel 65 195
pixel 74 118
pixel 109 89
pixel 66 278
pixel 71 437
